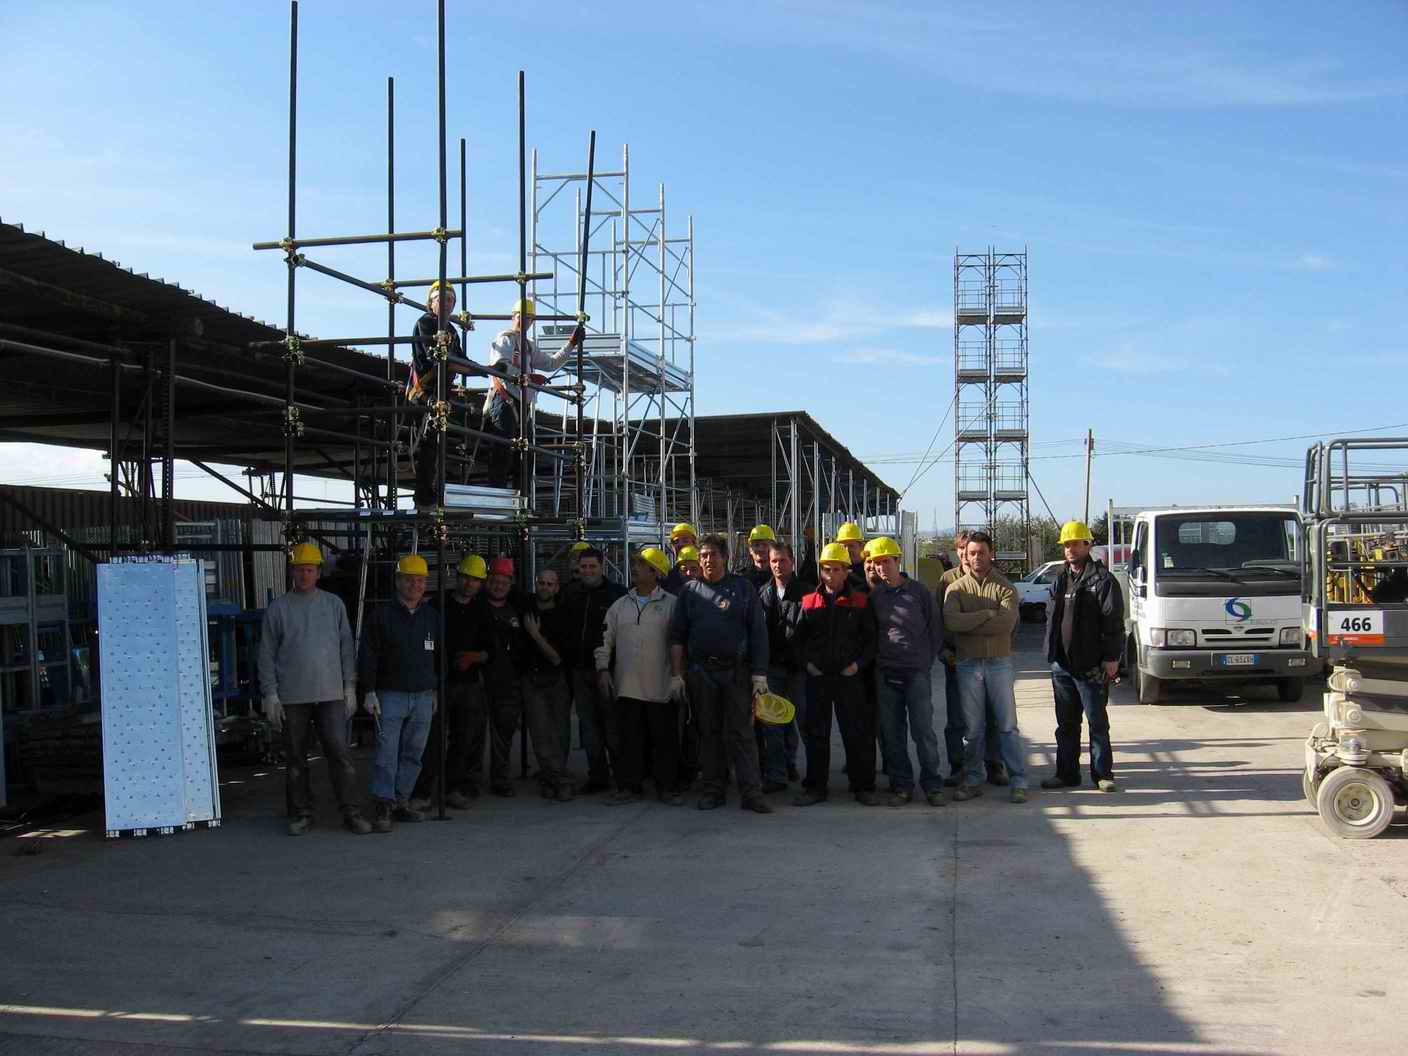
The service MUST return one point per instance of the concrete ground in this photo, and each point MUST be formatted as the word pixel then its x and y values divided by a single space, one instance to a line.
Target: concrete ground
pixel 1201 909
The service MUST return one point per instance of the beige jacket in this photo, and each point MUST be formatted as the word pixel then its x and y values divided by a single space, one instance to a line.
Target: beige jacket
pixel 981 615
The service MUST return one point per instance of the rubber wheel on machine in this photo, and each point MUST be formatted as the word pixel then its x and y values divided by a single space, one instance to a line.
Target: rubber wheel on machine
pixel 1355 804
pixel 1290 690
pixel 1309 785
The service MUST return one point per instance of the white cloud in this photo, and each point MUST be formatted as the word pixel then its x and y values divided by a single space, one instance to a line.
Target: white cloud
pixel 889 355
pixel 1310 261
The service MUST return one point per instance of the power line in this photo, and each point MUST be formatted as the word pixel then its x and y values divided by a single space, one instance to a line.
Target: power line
pixel 932 440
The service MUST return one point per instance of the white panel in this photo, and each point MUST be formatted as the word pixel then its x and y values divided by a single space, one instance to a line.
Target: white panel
pixel 158 758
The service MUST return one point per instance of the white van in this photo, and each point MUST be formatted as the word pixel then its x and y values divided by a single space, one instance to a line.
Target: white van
pixel 1214 593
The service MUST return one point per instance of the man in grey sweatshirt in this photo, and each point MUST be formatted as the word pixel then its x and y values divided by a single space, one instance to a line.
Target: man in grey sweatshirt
pixel 307 678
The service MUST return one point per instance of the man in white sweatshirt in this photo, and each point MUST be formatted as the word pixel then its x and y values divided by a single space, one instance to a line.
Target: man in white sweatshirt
pixel 308 677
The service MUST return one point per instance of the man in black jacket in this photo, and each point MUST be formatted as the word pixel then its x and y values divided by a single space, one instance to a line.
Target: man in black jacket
pixel 584 620
pixel 782 610
pixel 1084 637
pixel 420 388
pixel 547 701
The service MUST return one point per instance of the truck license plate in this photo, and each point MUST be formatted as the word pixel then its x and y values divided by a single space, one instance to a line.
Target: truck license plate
pixel 1239 660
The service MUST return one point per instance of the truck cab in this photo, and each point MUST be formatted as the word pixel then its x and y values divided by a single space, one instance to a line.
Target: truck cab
pixel 1214 594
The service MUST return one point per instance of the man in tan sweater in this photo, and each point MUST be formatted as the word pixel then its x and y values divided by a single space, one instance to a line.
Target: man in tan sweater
pixel 980 611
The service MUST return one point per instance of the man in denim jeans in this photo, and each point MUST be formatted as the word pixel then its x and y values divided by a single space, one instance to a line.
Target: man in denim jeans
pixel 910 635
pixel 397 665
pixel 980 609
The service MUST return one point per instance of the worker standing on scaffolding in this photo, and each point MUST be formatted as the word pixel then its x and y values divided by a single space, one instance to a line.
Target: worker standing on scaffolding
pixel 420 387
pixel 512 352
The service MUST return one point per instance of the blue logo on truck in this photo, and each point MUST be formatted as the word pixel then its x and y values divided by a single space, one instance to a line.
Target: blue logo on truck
pixel 1238 609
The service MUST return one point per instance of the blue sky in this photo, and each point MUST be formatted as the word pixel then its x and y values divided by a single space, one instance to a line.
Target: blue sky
pixel 1213 196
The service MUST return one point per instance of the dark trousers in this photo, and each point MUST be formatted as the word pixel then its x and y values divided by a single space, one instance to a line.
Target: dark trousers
pixel 636 720
pixel 503 461
pixel 465 699
pixel 594 715
pixel 723 704
pixel 689 744
pixel 497 714
pixel 547 705
pixel 1076 697
pixel 954 728
pixel 855 714
pixel 330 718
pixel 427 466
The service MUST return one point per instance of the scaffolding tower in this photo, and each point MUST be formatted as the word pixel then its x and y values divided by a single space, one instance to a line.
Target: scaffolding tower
pixel 991 419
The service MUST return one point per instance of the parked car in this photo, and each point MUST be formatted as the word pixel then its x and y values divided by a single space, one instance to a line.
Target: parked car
pixel 1034 590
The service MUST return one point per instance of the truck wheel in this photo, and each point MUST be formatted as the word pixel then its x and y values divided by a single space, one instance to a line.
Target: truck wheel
pixel 1148 688
pixel 1354 803
pixel 1290 690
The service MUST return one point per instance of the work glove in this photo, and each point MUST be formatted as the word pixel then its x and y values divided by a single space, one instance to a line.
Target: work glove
pixel 464 660
pixel 349 700
pixel 274 710
pixel 373 705
pixel 850 670
pixel 678 692
pixel 604 685
pixel 760 685
pixel 813 670
pixel 579 334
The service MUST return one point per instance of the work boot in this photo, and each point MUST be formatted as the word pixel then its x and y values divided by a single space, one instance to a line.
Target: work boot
pixel 1058 782
pixel 564 793
pixel 622 797
pixel 420 804
pixel 809 798
pixel 503 789
pixel 356 824
pixel 381 822
pixel 757 804
pixel 458 800
pixel 1018 795
pixel 963 792
pixel 471 790
pixel 299 825
pixel 997 774
pixel 1107 784
pixel 900 799
pixel 406 812
pixel 710 802
pixel 936 797
pixel 867 798
pixel 592 787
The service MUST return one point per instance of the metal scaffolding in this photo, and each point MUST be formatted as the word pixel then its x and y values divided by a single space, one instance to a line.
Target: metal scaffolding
pixel 991 421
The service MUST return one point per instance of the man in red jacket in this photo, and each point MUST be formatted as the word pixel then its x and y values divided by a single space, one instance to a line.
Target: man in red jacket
pixel 836 638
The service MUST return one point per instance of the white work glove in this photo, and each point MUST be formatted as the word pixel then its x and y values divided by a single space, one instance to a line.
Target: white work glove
pixel 677 688
pixel 274 710
pixel 760 685
pixel 349 698
pixel 373 705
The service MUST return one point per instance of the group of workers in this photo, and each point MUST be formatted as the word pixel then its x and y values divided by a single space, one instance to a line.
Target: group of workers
pixel 666 677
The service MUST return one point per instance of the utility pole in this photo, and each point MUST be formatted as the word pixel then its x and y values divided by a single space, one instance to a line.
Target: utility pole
pixel 1089 450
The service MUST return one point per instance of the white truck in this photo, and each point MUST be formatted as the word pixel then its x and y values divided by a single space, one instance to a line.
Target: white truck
pixel 1214 594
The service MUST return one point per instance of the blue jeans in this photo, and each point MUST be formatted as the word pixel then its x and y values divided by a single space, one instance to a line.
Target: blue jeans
pixel 1076 697
pixel 986 686
pixel 400 743
pixel 905 698
pixel 778 747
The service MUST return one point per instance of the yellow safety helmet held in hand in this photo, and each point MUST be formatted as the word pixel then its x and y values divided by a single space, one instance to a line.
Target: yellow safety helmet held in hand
pixel 850 533
pixel 1075 531
pixel 525 306
pixel 683 528
pixel 306 554
pixel 834 554
pixel 472 565
pixel 412 565
pixel 689 553
pixel 761 533
pixel 883 546
pixel 774 710
pixel 656 559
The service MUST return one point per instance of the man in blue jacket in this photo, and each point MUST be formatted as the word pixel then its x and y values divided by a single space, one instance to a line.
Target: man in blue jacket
pixel 718 636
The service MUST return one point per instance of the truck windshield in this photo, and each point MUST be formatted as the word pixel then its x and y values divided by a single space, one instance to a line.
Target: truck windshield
pixel 1241 545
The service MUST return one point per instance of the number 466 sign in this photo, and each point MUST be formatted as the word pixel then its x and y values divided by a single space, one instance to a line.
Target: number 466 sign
pixel 1356 627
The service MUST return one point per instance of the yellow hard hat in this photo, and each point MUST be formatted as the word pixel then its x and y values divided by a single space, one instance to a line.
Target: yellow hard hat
pixel 865 551
pixel 472 565
pixel 579 546
pixel 850 533
pixel 306 554
pixel 412 565
pixel 775 710
pixel 437 286
pixel 689 553
pixel 761 533
pixel 834 554
pixel 683 528
pixel 525 306
pixel 883 546
pixel 1075 531
pixel 656 559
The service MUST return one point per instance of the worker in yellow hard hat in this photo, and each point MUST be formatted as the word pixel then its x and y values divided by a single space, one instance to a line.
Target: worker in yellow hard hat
pixel 781 599
pixel 515 355
pixel 686 568
pixel 760 541
pixel 1084 640
pixel 308 679
pixel 397 666
pixel 683 536
pixel 421 385
pixel 470 643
